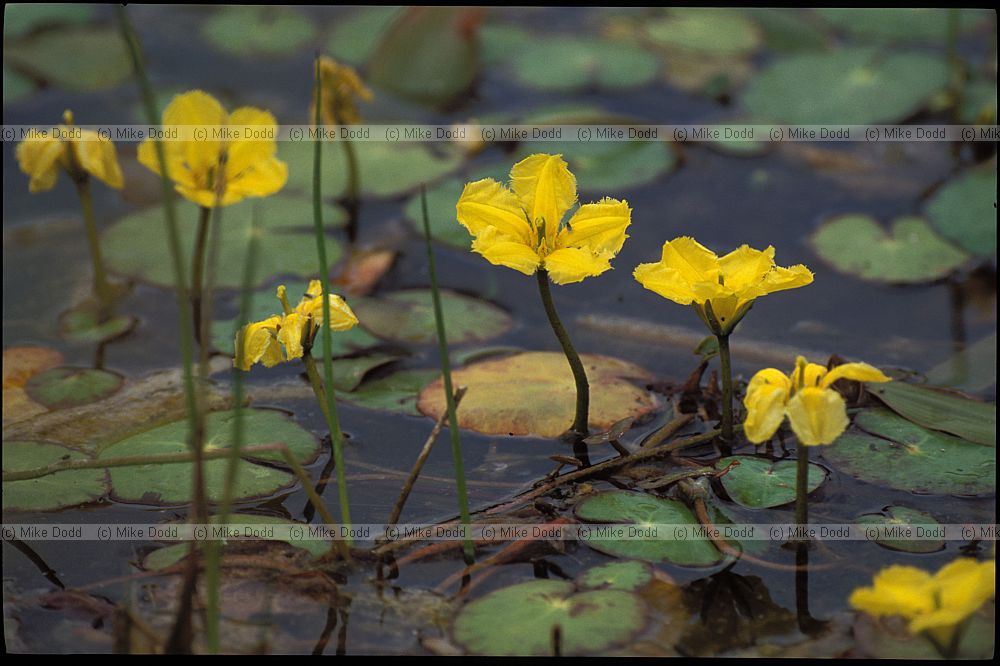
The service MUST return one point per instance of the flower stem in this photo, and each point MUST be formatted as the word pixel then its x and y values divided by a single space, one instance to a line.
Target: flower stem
pixel 801 485
pixel 725 360
pixel 312 372
pixel 353 189
pixel 576 365
pixel 101 288
pixel 198 268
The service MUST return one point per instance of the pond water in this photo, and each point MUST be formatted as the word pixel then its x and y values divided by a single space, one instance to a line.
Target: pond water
pixel 779 196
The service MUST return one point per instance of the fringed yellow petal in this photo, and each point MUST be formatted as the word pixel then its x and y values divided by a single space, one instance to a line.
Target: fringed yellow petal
pixel 817 416
pixel 500 250
pixel 486 203
pixel 39 158
pixel 570 264
pixel 599 227
pixel 97 157
pixel 767 395
pixel 546 189
pixel 859 372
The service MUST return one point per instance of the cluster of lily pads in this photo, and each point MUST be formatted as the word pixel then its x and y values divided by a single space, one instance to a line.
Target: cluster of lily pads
pixel 526 226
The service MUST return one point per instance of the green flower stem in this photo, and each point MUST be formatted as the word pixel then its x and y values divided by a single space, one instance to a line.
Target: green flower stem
pixel 725 360
pixel 198 268
pixel 317 386
pixel 324 275
pixel 101 288
pixel 449 392
pixel 801 485
pixel 576 365
pixel 353 188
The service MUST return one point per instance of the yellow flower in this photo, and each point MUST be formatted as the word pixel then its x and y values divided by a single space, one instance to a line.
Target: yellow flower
pixel 522 228
pixel 294 332
pixel 936 604
pixel 247 166
pixel 342 87
pixel 78 152
pixel 815 410
pixel 722 290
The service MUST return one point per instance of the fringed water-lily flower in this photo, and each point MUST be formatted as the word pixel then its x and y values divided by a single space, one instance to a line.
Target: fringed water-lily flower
pixel 78 152
pixel 936 604
pixel 231 158
pixel 285 337
pixel 341 89
pixel 816 412
pixel 522 227
pixel 721 289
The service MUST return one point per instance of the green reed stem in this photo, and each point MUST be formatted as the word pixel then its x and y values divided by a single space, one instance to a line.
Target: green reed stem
pixel 101 288
pixel 331 404
pixel 726 363
pixel 198 269
pixel 316 382
pixel 582 417
pixel 449 392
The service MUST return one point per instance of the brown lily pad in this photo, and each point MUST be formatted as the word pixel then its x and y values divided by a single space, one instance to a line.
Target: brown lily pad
pixel 19 365
pixel 534 394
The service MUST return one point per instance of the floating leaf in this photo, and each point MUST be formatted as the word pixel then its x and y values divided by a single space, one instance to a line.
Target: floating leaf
pixel 979 102
pixel 520 620
pixel 54 491
pixel 969 419
pixel 888 640
pixel 497 42
pixel 534 394
pixel 716 31
pixel 441 201
pixel 408 316
pixel 362 271
pixel 348 372
pixel 912 252
pixel 624 518
pixel 394 393
pixel 788 30
pixel 628 576
pixel 60 388
pixel 83 324
pixel 20 18
pixel 15 86
pixel 900 25
pixel 76 59
pixel 606 167
pixel 171 484
pixel 20 364
pixel 850 86
pixel 569 63
pixel 385 169
pixel 902 455
pixel 902 517
pixel 759 483
pixel 965 211
pixel 354 36
pixel 170 555
pixel 248 30
pixel 284 228
pixel 429 54
pixel 971 369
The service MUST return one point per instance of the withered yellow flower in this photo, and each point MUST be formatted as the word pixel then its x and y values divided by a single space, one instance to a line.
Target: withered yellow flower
pixel 935 603
pixel 522 227
pixel 342 88
pixel 227 169
pixel 720 289
pixel 78 152
pixel 816 412
pixel 285 337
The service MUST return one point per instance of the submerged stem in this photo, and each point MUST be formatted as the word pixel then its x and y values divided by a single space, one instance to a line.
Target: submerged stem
pixel 101 288
pixel 801 485
pixel 576 365
pixel 725 361
pixel 198 268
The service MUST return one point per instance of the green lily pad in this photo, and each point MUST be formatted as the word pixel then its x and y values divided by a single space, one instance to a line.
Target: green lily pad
pixel 911 253
pixel 717 31
pixel 970 369
pixel 520 620
pixel 395 393
pixel 979 102
pixel 55 491
pixel 607 167
pixel 170 555
pixel 629 576
pixel 354 36
pixel 15 86
pixel 894 452
pixel 965 211
pixel 171 484
pixel 408 316
pixel 534 394
pixel 285 233
pixel 788 30
pixel 82 324
pixel 20 18
pixel 850 86
pixel 82 59
pixel 441 200
pixel 429 54
pixel 971 420
pixel 621 514
pixel 898 24
pixel 758 483
pixel 247 30
pixel 348 372
pixel 570 63
pixel 385 169
pixel 497 41
pixel 60 388
pixel 904 518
